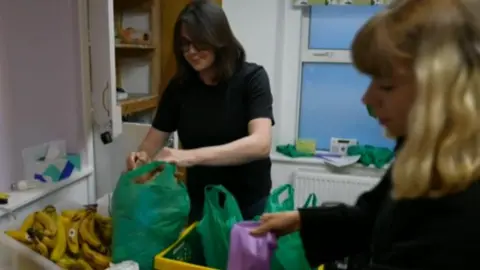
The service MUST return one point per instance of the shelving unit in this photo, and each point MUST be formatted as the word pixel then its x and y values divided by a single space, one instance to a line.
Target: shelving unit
pixel 137 54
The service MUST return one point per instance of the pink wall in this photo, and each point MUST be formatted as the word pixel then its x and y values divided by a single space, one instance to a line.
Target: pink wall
pixel 39 57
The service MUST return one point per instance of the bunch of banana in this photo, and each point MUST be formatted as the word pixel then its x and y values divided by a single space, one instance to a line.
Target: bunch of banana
pixel 88 236
pixel 37 231
pixel 73 239
pixel 103 225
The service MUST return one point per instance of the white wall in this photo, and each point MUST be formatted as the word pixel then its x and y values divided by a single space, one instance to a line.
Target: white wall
pixel 40 80
pixel 270 33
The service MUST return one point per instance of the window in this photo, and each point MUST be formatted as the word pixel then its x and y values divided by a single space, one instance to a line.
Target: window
pixel 331 89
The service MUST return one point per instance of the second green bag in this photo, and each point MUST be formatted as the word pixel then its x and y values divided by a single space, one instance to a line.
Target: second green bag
pixel 147 217
pixel 216 224
pixel 276 203
pixel 289 253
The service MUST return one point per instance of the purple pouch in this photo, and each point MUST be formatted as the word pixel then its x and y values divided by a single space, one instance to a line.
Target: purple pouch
pixel 248 252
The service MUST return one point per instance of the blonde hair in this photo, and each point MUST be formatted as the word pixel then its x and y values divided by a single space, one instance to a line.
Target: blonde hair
pixel 439 42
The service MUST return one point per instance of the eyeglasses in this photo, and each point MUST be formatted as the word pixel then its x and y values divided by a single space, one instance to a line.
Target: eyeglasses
pixel 189 47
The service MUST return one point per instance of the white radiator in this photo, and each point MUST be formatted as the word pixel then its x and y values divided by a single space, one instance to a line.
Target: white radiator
pixel 330 187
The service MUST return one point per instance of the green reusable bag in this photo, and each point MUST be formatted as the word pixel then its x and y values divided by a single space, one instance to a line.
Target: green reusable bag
pixel 149 217
pixel 276 204
pixel 289 253
pixel 216 224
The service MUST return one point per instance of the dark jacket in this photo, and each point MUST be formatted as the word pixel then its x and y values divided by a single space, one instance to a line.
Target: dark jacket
pixel 419 234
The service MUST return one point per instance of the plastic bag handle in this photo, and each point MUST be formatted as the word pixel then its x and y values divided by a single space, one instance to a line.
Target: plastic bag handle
pixel 212 194
pixel 311 201
pixel 150 167
pixel 277 192
pixel 212 198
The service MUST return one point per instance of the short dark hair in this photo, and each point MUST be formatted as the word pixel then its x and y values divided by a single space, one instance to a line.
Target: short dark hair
pixel 207 27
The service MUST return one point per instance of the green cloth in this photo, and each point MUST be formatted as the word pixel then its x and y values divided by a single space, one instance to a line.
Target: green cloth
pixel 290 151
pixel 371 155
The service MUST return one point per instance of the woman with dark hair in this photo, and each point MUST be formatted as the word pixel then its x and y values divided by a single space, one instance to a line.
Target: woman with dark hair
pixel 221 107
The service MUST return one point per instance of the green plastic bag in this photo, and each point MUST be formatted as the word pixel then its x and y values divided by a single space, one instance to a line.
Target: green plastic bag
pixel 274 202
pixel 149 217
pixel 311 201
pixel 216 224
pixel 289 253
pixel 274 205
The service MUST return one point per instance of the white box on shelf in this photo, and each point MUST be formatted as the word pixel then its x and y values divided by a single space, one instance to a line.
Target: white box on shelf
pixel 49 162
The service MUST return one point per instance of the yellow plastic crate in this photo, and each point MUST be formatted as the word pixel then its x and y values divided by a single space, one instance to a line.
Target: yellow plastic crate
pixel 185 254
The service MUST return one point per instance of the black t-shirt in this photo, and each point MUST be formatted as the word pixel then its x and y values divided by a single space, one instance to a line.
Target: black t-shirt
pixel 214 115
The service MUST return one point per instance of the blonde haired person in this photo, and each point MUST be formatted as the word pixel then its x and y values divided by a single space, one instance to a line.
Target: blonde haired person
pixel 424 60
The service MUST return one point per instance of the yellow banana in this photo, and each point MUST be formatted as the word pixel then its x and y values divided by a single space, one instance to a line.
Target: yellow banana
pixel 28 222
pixel 106 234
pixel 49 242
pixel 65 220
pixel 31 246
pixel 37 226
pixel 50 209
pixel 72 226
pixel 70 213
pixel 84 264
pixel 47 222
pixel 95 257
pixel 67 263
pixel 87 232
pixel 102 220
pixel 60 242
pixel 20 236
pixel 41 248
pixel 80 214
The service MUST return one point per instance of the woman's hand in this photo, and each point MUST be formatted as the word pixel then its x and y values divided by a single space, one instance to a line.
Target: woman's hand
pixel 135 159
pixel 182 158
pixel 278 223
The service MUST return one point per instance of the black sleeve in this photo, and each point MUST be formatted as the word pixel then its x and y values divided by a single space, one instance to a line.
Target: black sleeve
pixel 331 233
pixel 166 117
pixel 259 96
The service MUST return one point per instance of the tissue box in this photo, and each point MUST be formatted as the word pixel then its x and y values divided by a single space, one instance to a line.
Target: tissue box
pixel 49 162
pixel 55 170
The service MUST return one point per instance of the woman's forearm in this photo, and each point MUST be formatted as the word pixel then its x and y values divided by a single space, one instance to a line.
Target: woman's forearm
pixel 153 142
pixel 237 152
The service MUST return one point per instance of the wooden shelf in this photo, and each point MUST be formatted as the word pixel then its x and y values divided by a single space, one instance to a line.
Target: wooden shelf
pixel 132 5
pixel 135 104
pixel 134 46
